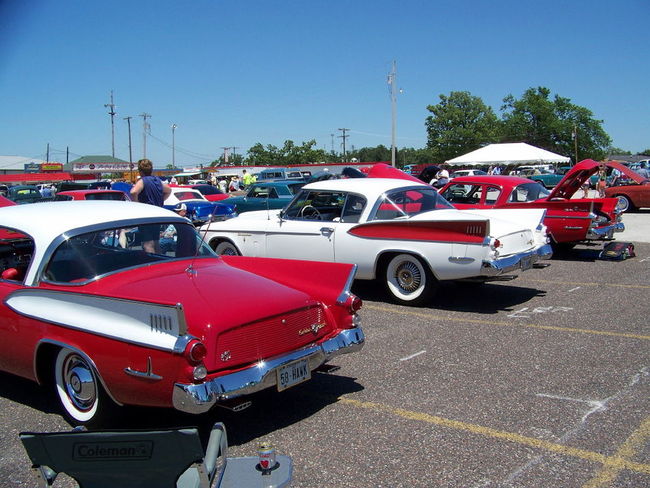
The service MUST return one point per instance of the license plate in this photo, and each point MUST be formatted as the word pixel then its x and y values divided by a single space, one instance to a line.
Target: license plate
pixel 526 262
pixel 293 373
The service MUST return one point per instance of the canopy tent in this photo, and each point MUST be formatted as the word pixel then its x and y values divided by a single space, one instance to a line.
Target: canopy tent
pixel 509 153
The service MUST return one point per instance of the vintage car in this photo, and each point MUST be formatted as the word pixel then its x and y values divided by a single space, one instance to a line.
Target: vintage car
pixel 399 232
pixel 549 178
pixel 199 209
pixel 631 186
pixel 22 194
pixel 86 309
pixel 64 196
pixel 211 193
pixel 569 221
pixel 260 196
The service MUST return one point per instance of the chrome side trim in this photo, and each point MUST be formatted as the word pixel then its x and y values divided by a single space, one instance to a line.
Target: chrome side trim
pixel 199 398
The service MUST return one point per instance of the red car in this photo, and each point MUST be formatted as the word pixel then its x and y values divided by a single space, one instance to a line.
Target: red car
pixel 569 221
pixel 64 196
pixel 211 193
pixel 89 306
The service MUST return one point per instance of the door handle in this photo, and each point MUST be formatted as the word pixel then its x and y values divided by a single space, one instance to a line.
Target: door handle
pixel 326 230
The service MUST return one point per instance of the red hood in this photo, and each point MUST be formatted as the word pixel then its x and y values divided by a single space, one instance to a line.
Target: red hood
pixel 216 294
pixel 383 170
pixel 581 172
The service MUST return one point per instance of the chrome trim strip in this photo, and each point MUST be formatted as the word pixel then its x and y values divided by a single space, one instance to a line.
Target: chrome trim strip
pixel 514 262
pixel 199 398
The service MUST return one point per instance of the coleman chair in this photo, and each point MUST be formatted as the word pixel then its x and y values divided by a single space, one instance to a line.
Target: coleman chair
pixel 169 458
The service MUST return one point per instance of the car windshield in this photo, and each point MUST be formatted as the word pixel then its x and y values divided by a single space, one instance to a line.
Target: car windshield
pixel 529 192
pixel 188 195
pixel 407 202
pixel 105 196
pixel 87 256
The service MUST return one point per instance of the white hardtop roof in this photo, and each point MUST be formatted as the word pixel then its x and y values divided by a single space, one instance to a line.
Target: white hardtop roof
pixel 47 220
pixel 362 185
pixel 508 153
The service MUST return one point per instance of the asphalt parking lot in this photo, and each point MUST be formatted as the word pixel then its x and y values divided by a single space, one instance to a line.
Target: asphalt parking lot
pixel 543 381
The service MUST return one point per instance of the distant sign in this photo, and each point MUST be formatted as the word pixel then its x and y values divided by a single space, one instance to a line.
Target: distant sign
pixel 52 167
pixel 100 167
pixel 32 168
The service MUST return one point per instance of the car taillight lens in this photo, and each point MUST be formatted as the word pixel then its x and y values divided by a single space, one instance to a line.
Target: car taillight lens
pixel 353 304
pixel 495 244
pixel 195 352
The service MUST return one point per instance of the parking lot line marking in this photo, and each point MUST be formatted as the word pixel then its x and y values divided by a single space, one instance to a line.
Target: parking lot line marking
pixel 632 445
pixel 574 289
pixel 615 462
pixel 509 324
pixel 592 283
pixel 412 356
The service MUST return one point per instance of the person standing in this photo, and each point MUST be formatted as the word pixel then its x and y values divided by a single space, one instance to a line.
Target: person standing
pixel 602 180
pixel 247 179
pixel 151 190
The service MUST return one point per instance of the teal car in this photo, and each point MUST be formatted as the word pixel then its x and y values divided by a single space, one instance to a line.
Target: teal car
pixel 549 180
pixel 267 195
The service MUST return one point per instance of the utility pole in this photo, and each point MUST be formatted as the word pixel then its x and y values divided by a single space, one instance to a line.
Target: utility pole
pixel 344 137
pixel 575 141
pixel 332 143
pixel 392 78
pixel 226 151
pixel 145 127
pixel 128 121
pixel 47 153
pixel 174 145
pixel 112 114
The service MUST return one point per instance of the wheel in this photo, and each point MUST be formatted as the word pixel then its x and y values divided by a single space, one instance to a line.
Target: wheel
pixel 311 213
pixel 81 395
pixel 408 280
pixel 630 205
pixel 226 248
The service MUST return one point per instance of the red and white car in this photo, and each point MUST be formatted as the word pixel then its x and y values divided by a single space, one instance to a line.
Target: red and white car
pixel 86 309
pixel 401 233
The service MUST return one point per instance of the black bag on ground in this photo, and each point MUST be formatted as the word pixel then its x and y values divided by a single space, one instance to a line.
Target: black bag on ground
pixel 617 251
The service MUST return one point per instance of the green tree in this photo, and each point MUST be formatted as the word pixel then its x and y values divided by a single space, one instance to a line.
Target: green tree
pixel 460 123
pixel 289 153
pixel 553 124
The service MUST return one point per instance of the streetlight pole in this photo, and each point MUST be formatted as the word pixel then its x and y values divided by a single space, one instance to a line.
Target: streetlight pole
pixel 174 145
pixel 393 103
pixel 145 126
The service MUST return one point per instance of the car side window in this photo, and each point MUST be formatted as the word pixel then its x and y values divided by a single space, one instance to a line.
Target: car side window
pixel 353 208
pixel 316 205
pixel 492 195
pixel 15 255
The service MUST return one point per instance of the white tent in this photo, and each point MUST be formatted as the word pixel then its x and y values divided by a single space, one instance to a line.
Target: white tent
pixel 505 154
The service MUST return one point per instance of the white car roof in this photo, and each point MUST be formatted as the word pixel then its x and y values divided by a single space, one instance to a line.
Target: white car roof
pixel 46 220
pixel 371 187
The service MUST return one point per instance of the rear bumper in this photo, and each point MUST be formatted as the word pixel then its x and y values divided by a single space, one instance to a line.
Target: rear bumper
pixel 605 232
pixel 199 398
pixel 521 261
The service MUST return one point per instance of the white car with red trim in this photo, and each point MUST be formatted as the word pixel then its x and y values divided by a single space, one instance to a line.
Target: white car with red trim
pixel 402 233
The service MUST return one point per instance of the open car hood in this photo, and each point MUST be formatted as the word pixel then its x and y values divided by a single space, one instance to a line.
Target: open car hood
pixel 581 172
pixel 383 170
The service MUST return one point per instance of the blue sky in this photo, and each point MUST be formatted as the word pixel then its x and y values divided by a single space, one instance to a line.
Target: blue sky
pixel 234 73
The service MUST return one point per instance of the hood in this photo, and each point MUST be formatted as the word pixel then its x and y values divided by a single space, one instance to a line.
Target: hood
pixel 582 171
pixel 216 293
pixel 382 170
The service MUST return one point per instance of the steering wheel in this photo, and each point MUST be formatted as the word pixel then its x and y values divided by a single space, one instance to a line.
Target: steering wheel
pixel 311 213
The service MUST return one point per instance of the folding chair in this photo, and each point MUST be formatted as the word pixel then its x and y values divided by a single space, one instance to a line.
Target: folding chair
pixel 172 458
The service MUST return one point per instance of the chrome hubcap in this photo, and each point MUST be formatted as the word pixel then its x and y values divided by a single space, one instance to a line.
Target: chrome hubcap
pixel 408 276
pixel 79 383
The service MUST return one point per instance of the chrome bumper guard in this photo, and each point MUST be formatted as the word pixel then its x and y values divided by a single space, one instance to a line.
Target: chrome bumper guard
pixel 605 232
pixel 521 261
pixel 199 398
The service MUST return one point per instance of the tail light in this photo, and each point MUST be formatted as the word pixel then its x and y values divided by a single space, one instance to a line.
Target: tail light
pixel 353 304
pixel 495 244
pixel 195 352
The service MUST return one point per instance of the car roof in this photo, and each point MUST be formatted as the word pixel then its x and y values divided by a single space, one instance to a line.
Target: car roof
pixel 375 186
pixel 46 220
pixel 86 192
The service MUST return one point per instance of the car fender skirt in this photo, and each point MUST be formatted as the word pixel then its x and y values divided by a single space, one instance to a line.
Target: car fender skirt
pixel 199 398
pixel 520 261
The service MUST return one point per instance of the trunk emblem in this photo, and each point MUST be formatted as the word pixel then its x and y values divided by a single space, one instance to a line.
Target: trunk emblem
pixel 225 356
pixel 314 329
